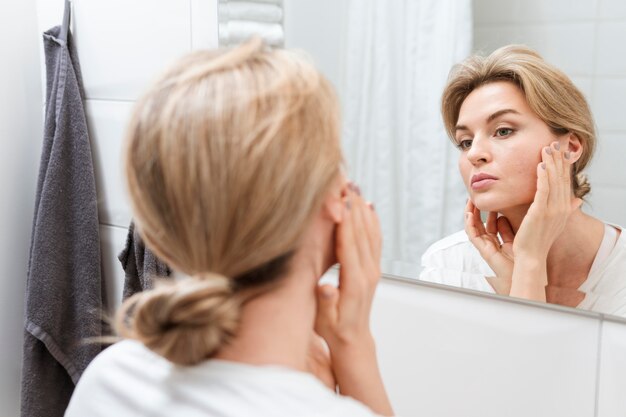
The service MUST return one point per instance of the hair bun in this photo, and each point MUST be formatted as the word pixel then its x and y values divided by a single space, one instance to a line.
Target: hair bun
pixel 185 321
pixel 582 187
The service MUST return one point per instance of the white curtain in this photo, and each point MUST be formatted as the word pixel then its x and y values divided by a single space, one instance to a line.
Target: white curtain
pixel 398 54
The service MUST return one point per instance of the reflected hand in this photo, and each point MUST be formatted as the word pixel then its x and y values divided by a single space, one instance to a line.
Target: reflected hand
pixel 553 204
pixel 494 243
pixel 546 219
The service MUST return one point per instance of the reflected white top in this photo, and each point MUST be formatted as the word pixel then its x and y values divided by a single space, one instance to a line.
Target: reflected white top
pixel 454 261
pixel 129 380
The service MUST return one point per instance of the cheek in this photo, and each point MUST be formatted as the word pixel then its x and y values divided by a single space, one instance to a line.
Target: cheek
pixel 526 174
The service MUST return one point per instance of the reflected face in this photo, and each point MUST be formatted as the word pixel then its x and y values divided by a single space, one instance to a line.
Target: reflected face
pixel 500 139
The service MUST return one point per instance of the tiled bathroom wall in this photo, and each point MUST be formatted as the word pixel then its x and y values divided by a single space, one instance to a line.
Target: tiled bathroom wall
pixel 584 38
pixel 442 352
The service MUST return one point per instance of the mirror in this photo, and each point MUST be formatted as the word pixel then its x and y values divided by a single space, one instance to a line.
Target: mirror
pixel 389 62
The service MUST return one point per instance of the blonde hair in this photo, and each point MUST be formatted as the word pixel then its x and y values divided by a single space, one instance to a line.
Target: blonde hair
pixel 228 156
pixel 548 92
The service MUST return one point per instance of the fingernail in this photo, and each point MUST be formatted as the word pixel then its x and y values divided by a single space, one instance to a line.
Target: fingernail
pixel 348 204
pixel 543 165
pixel 372 206
pixel 567 155
pixel 357 189
pixel 548 150
pixel 557 146
pixel 466 216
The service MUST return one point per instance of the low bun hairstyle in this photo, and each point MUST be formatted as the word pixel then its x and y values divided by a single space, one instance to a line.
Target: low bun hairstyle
pixel 548 92
pixel 228 156
pixel 183 321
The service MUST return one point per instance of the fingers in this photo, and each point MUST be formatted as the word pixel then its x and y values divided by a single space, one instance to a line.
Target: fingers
pixel 551 174
pixel 359 229
pixel 470 229
pixel 543 187
pixel 505 230
pixel 474 226
pixel 358 252
pixel 492 225
pixel 554 188
pixel 327 297
pixel 366 228
pixel 347 256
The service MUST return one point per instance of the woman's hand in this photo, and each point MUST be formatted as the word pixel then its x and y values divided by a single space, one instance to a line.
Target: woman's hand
pixel 494 243
pixel 343 313
pixel 546 219
pixel 319 362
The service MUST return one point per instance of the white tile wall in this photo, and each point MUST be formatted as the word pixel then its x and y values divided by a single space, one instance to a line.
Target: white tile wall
pixel 611 400
pixel 608 202
pixel 610 157
pixel 608 97
pixel 123 44
pixel 585 39
pixel 555 42
pixel 444 353
pixel 555 10
pixel 609 59
pixel 612 9
pixel 107 124
pixel 112 242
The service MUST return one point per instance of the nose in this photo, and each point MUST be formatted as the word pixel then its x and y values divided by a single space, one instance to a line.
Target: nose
pixel 479 153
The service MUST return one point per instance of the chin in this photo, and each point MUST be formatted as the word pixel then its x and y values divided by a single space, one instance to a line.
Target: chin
pixel 498 203
pixel 485 202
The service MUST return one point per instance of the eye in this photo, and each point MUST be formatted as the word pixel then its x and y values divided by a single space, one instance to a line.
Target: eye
pixel 465 144
pixel 504 131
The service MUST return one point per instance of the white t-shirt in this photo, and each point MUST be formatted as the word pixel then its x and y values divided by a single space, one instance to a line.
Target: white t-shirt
pixel 129 380
pixel 455 261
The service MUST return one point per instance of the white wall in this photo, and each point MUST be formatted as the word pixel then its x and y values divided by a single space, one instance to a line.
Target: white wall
pixel 584 38
pixel 20 136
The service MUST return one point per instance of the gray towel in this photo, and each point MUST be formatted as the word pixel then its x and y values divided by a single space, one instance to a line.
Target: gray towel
pixel 63 302
pixel 140 265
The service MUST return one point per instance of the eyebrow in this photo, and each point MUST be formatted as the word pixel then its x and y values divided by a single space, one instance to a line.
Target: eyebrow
pixel 492 117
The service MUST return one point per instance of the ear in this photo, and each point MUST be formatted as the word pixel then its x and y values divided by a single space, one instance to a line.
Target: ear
pixel 571 142
pixel 333 204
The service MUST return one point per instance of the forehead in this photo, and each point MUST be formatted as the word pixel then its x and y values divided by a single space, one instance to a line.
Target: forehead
pixel 490 98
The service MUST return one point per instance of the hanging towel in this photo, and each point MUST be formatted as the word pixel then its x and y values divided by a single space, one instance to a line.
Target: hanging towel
pixel 140 265
pixel 63 292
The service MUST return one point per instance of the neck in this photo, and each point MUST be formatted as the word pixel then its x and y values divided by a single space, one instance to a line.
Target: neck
pixel 573 250
pixel 276 328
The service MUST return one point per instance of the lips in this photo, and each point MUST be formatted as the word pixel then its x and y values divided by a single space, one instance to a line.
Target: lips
pixel 482 180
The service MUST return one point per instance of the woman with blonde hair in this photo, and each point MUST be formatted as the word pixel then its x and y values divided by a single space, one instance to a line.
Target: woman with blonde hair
pixel 233 166
pixel 525 134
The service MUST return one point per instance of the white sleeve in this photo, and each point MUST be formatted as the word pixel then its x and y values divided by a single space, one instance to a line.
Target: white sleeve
pixel 453 261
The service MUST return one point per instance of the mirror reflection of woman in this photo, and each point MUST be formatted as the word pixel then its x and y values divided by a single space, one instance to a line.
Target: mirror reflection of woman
pixel 525 134
pixel 233 165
